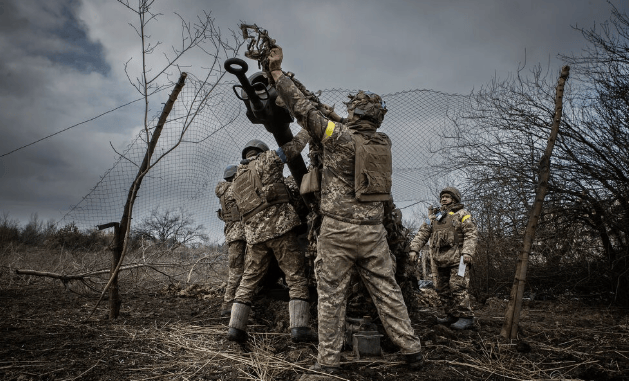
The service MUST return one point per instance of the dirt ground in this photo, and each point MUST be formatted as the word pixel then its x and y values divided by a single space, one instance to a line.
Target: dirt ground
pixel 178 334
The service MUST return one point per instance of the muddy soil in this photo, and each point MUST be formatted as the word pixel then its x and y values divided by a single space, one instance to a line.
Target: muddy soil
pixel 176 333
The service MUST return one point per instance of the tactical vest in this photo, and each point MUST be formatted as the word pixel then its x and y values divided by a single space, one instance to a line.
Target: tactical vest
pixel 248 191
pixel 447 232
pixel 373 167
pixel 228 214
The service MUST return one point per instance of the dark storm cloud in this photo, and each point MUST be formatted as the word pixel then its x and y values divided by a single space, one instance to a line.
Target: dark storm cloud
pixel 32 42
pixel 61 64
pixel 10 19
pixel 51 77
pixel 85 55
pixel 451 46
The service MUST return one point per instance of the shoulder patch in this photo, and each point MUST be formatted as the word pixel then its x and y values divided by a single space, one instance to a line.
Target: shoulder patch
pixel 330 129
pixel 466 217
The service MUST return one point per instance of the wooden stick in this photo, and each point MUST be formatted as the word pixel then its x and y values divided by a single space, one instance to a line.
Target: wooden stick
pixel 121 233
pixel 66 278
pixel 512 316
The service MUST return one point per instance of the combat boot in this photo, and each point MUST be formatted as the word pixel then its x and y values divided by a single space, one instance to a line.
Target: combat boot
pixel 449 319
pixel 299 313
pixel 226 309
pixel 414 360
pixel 238 322
pixel 463 323
pixel 324 369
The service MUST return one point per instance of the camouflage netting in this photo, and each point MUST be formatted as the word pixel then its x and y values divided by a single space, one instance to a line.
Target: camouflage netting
pixel 186 178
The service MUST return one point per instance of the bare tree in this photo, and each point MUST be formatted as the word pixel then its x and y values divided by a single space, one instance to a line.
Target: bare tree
pixel 584 225
pixel 496 147
pixel 201 37
pixel 598 148
pixel 170 228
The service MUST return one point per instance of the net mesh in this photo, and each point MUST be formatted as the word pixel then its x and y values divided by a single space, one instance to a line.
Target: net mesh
pixel 186 177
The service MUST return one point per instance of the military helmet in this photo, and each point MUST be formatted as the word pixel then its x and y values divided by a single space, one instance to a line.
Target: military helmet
pixel 366 105
pixel 230 171
pixel 456 195
pixel 255 143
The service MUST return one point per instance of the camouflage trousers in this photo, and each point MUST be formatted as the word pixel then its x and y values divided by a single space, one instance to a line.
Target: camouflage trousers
pixel 236 263
pixel 289 257
pixel 452 290
pixel 343 247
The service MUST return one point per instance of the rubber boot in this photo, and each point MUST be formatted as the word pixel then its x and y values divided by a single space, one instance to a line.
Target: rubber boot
pixel 463 323
pixel 449 319
pixel 238 322
pixel 299 312
pixel 226 309
pixel 414 360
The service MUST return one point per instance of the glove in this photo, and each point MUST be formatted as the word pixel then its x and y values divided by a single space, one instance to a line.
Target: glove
pixel 467 259
pixel 412 256
pixel 275 59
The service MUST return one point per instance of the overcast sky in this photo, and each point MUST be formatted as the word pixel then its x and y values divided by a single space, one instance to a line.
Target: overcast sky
pixel 62 63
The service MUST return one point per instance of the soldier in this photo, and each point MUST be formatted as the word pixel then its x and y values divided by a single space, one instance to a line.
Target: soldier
pixel 453 236
pixel 269 221
pixel 356 181
pixel 234 237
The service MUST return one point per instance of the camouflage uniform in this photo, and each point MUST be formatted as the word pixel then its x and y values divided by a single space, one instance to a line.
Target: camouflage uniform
pixel 235 240
pixel 352 235
pixel 271 229
pixel 446 250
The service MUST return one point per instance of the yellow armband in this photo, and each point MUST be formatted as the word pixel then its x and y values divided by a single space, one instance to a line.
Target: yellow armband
pixel 330 129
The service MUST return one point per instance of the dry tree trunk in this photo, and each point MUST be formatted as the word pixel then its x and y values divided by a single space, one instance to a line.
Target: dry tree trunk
pixel 66 278
pixel 512 316
pixel 121 233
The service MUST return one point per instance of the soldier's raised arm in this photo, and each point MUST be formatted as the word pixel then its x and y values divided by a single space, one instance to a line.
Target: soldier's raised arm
pixel 301 108
pixel 292 149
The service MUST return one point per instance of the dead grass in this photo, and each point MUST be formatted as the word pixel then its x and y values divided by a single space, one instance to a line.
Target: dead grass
pixel 170 329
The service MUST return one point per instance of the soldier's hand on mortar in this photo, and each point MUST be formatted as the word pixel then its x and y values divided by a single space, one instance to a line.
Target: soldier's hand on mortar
pixel 467 258
pixel 412 256
pixel 275 59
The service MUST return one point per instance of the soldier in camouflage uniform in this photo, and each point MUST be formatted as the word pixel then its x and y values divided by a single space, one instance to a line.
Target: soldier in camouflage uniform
pixel 269 220
pixel 234 237
pixel 352 233
pixel 453 236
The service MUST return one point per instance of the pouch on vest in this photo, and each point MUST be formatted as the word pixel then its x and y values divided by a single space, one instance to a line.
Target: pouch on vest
pixel 235 214
pixel 232 216
pixel 446 233
pixel 443 238
pixel 276 194
pixel 246 185
pixel 373 168
pixel 226 214
pixel 311 182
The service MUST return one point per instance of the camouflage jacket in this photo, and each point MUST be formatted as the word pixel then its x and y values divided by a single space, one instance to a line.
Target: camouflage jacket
pixel 277 219
pixel 233 229
pixel 295 197
pixel 338 198
pixel 448 245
